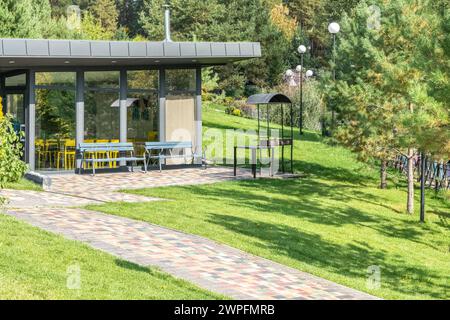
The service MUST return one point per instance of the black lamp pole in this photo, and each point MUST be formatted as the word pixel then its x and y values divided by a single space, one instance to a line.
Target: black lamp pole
pixel 301 95
pixel 334 79
pixel 422 187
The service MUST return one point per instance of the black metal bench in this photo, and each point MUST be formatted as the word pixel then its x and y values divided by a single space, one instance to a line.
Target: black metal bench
pixel 112 152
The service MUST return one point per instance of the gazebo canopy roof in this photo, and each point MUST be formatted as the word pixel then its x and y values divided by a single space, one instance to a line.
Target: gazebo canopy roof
pixel 268 98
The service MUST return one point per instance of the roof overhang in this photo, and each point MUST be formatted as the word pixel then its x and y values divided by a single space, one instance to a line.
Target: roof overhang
pixel 31 53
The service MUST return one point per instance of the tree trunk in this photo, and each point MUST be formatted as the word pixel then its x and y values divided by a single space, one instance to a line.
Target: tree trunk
pixel 383 174
pixel 410 201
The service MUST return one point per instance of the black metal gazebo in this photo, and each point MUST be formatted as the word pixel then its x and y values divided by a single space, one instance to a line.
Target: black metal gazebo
pixel 266 141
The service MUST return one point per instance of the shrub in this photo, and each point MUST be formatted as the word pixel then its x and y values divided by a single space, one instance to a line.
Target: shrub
pixel 312 103
pixel 236 112
pixel 251 89
pixel 247 110
pixel 12 168
pixel 234 85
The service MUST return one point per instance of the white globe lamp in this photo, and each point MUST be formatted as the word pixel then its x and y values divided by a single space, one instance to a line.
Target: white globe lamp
pixel 334 28
pixel 301 49
pixel 289 73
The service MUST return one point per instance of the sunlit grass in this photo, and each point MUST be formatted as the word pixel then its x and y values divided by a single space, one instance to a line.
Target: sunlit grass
pixel 34 264
pixel 23 184
pixel 333 222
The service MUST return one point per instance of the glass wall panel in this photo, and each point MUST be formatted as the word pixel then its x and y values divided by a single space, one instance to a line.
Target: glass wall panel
pixel 180 80
pixel 15 107
pixel 101 97
pixel 143 107
pixel 66 79
pixel 101 122
pixel 143 80
pixel 102 79
pixel 55 121
pixel 16 81
pixel 142 117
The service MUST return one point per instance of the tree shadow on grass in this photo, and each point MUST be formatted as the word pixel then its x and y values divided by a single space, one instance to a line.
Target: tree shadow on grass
pixel 152 271
pixel 350 260
pixel 309 200
pixel 133 266
pixel 335 174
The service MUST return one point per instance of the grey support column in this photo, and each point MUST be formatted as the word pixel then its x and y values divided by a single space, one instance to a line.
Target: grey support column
pixel 31 121
pixel 123 109
pixel 79 109
pixel 162 105
pixel 123 106
pixel 198 112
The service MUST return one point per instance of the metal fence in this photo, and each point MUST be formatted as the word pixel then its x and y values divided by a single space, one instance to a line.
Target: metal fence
pixel 437 173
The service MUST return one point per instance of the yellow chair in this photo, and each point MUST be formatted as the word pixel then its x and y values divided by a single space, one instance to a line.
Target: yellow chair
pixel 101 155
pixel 46 152
pixel 87 165
pixel 67 154
pixel 52 148
pixel 113 154
pixel 40 151
pixel 152 135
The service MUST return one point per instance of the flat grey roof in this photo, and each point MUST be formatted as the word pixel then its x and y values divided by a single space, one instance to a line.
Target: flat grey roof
pixel 25 53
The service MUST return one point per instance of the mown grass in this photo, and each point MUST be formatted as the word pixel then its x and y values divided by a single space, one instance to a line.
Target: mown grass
pixel 333 222
pixel 23 184
pixel 35 264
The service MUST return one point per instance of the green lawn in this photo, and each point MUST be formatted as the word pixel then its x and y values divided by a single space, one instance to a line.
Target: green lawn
pixel 333 222
pixel 34 265
pixel 23 184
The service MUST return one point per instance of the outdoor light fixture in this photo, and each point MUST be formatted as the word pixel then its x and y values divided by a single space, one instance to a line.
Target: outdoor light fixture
pixel 66 62
pixel 301 49
pixel 289 73
pixel 12 62
pixel 334 28
pixel 114 61
pixel 309 73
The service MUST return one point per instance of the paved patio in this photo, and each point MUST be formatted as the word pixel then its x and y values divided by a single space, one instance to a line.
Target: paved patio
pixel 206 263
pixel 105 187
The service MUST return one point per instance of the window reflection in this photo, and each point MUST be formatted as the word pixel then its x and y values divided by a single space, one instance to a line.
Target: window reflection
pixel 55 121
pixel 143 110
pixel 101 119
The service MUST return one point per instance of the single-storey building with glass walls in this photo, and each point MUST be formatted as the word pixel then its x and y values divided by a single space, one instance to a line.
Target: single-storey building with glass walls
pixel 65 92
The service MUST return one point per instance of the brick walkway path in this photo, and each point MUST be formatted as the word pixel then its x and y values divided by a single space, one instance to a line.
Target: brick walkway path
pixel 206 263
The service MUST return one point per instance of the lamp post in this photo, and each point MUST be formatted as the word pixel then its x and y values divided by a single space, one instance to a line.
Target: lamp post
pixel 289 74
pixel 422 186
pixel 334 29
pixel 301 50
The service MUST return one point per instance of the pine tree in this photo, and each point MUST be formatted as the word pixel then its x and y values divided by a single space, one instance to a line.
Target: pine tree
pixel 225 20
pixel 24 18
pixel 105 14
pixel 385 86
pixel 128 15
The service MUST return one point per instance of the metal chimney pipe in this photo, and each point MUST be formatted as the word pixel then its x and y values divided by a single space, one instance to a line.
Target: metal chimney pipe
pixel 167 22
